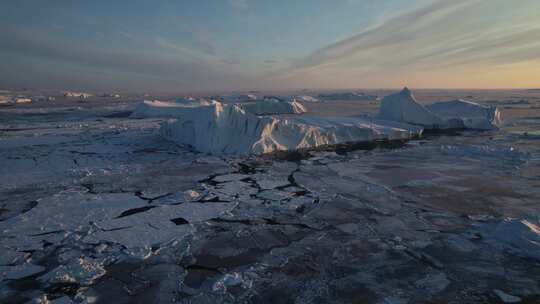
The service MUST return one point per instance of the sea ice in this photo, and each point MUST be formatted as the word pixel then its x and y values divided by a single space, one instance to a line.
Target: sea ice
pixel 19 271
pixel 519 236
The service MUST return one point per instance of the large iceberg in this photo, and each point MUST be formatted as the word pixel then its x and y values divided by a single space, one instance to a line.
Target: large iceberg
pixel 270 106
pixel 457 114
pixel 229 129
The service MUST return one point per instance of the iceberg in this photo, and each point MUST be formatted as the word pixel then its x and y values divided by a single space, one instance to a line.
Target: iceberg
pixel 463 114
pixel 229 129
pixel 271 106
pixel 456 114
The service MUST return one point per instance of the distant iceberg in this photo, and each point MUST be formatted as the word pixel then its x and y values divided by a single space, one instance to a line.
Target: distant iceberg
pixel 270 106
pixel 347 96
pixel 236 98
pixel 162 109
pixel 83 95
pixel 457 114
pixel 191 100
pixel 305 98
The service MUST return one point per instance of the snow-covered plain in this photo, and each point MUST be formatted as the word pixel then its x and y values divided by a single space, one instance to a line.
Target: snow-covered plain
pixel 97 206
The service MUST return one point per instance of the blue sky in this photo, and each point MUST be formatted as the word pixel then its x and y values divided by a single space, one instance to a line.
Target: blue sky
pixel 248 44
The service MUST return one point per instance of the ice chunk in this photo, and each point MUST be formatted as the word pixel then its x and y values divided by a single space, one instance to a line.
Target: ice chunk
pixel 466 114
pixel 403 107
pixel 273 106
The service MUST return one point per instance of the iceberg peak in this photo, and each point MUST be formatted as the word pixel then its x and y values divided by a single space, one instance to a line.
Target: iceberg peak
pixel 406 92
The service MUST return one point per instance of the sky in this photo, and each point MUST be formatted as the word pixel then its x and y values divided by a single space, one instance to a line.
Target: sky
pixel 197 45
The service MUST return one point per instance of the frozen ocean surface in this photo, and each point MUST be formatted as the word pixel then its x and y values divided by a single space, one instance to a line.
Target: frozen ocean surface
pixel 95 205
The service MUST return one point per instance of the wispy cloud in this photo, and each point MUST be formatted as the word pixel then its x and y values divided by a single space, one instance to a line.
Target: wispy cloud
pixel 168 61
pixel 443 35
